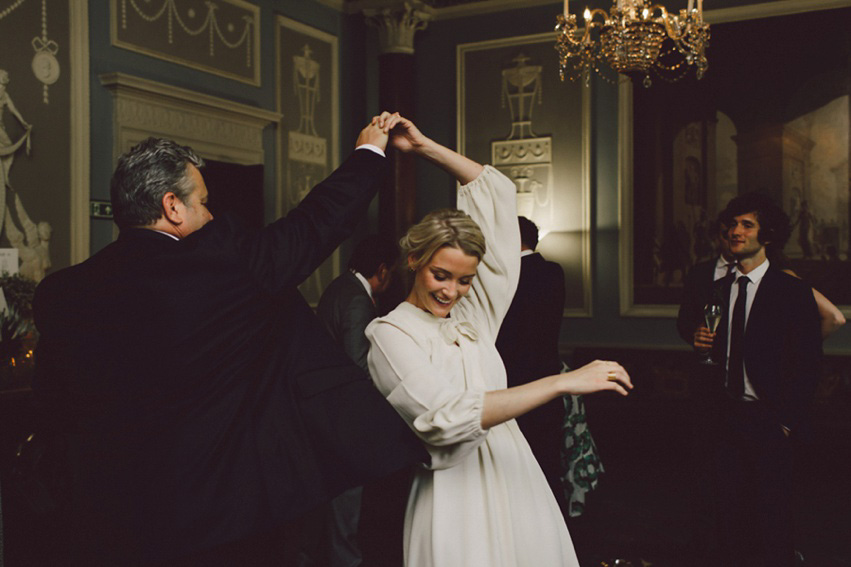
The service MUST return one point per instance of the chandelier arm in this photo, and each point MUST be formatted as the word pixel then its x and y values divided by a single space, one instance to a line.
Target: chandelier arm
pixel 669 28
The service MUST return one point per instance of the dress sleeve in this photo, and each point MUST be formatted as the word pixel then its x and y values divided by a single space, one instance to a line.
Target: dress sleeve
pixel 447 418
pixel 491 200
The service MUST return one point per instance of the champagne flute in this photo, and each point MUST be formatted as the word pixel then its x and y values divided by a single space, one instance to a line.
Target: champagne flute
pixel 712 317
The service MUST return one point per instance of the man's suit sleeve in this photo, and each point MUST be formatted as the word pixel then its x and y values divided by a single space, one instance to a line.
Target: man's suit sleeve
pixel 287 251
pixel 690 315
pixel 805 343
pixel 358 315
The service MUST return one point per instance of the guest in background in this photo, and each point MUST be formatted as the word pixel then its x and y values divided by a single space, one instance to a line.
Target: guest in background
pixel 346 307
pixel 528 344
pixel 771 348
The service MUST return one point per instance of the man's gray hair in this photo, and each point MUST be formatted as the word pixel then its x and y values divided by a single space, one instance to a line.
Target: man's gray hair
pixel 144 175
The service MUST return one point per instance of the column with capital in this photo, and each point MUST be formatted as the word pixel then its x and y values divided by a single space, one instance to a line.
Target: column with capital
pixel 397 23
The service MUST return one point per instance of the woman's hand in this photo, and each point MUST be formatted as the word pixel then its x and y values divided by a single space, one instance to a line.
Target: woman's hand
pixel 377 132
pixel 406 137
pixel 596 376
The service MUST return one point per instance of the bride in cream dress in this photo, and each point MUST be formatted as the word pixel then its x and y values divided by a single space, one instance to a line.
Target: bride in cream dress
pixel 484 501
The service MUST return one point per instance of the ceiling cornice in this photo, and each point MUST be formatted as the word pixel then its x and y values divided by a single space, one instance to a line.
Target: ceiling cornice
pixel 473 8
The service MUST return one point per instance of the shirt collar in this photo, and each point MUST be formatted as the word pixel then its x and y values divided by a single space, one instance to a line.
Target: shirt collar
pixel 526 252
pixel 755 275
pixel 166 233
pixel 722 263
pixel 363 282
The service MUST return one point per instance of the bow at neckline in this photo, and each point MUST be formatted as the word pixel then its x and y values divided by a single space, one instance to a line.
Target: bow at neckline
pixel 451 330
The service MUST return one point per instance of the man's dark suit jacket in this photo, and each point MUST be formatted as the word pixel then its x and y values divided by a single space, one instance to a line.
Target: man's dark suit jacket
pixel 528 345
pixel 782 347
pixel 201 398
pixel 346 309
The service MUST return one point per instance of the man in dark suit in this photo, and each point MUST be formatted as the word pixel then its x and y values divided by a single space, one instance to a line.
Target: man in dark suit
pixel 346 307
pixel 202 401
pixel 348 304
pixel 528 345
pixel 770 345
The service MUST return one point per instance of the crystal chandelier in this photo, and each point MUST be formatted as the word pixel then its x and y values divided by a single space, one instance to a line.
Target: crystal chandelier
pixel 631 38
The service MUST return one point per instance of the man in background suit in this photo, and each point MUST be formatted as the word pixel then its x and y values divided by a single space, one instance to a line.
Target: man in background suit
pixel 770 345
pixel 203 403
pixel 348 304
pixel 528 344
pixel 346 307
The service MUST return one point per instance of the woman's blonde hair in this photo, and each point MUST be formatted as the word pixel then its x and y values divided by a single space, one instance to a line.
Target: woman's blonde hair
pixel 440 229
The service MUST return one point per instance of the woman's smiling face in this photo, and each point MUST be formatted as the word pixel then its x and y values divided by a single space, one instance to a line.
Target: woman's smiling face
pixel 447 278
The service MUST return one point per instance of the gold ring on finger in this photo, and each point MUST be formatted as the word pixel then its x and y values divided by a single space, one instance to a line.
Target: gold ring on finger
pixel 612 375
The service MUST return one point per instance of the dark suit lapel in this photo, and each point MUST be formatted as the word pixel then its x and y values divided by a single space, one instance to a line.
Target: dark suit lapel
pixel 720 292
pixel 761 311
pixel 357 288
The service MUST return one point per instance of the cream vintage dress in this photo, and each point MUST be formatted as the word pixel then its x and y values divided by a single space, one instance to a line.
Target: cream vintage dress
pixel 484 502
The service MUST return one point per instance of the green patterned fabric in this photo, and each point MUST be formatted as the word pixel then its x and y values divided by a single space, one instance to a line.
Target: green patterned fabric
pixel 580 461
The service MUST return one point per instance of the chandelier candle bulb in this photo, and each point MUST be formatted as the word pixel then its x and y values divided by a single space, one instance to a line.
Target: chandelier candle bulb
pixel 565 9
pixel 630 37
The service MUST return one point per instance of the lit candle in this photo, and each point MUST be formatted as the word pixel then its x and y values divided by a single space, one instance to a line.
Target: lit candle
pixel 587 13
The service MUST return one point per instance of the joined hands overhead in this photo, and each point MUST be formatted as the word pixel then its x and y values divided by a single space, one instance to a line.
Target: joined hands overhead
pixel 377 132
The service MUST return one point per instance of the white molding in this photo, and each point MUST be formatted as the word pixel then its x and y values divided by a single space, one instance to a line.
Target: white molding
pixel 771 9
pixel 216 128
pixel 339 5
pixel 80 151
pixel 750 11
pixel 448 13
pixel 254 79
pixel 461 49
pixel 283 23
pixel 625 147
pixel 488 7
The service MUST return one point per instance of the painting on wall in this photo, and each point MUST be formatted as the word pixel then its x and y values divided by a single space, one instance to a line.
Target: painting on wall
pixel 220 37
pixel 309 132
pixel 773 120
pixel 515 113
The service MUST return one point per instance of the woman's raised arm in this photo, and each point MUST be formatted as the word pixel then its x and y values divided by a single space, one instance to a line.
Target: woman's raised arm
pixel 407 138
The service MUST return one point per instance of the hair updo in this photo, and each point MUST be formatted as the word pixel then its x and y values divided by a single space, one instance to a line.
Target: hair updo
pixel 441 229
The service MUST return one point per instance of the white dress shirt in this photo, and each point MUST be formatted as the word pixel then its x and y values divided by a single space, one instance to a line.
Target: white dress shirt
pixel 722 267
pixel 755 276
pixel 364 283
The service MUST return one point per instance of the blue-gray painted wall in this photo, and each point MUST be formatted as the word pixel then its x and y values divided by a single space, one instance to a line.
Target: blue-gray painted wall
pixel 435 62
pixel 436 114
pixel 105 58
